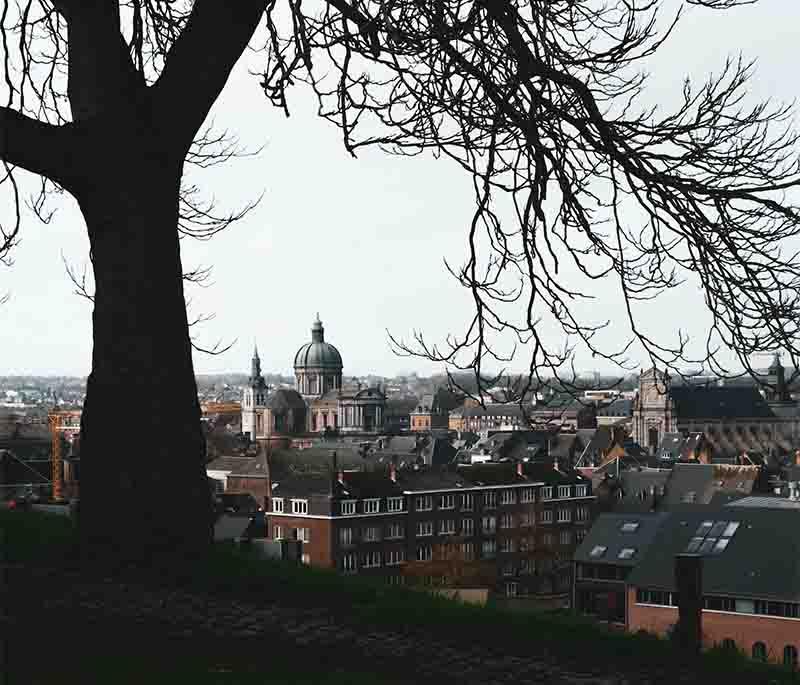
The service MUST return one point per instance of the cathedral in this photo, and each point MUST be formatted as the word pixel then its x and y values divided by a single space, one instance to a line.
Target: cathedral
pixel 320 403
pixel 733 419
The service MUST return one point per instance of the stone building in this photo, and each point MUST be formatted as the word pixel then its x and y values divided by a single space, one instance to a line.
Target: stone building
pixel 320 403
pixel 734 420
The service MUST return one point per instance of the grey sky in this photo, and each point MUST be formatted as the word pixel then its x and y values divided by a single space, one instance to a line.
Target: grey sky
pixel 359 240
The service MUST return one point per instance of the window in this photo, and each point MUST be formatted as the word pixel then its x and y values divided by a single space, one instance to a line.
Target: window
pixel 424 503
pixel 468 551
pixel 447 527
pixel 548 539
pixel 719 603
pixel 580 491
pixel 348 507
pixel 760 651
pixel 564 515
pixel 506 521
pixel 511 589
pixel 303 534
pixel 488 549
pixel 627 553
pixel 712 537
pixel 394 504
pixel 489 524
pixel 507 545
pixel 729 645
pixel 563 491
pixel 468 527
pixel 277 505
pixel 277 533
pixel 424 553
pixel 489 500
pixel 447 502
pixel 508 497
pixel 582 513
pixel 372 506
pixel 790 656
pixel 528 567
pixel 527 495
pixel 546 516
pixel 598 551
pixel 395 531
pixel 424 528
pixel 299 506
pixel 372 559
pixel 580 535
pixel 371 534
pixel 349 563
pixel 657 597
pixel 466 502
pixel 565 537
pixel 396 580
pixel 547 492
pixel 395 557
pixel 345 537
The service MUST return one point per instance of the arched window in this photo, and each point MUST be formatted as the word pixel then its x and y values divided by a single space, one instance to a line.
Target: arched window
pixel 760 651
pixel 729 645
pixel 790 656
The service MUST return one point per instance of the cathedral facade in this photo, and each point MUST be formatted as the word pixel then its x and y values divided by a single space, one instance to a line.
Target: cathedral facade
pixel 320 403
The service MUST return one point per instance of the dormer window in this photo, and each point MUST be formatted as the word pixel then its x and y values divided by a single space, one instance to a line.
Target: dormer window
pixel 348 507
pixel 299 506
pixel 277 505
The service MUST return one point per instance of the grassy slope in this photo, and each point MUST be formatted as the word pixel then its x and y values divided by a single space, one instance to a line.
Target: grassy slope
pixel 229 572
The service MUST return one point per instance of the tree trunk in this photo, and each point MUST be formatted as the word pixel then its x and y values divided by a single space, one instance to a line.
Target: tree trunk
pixel 143 491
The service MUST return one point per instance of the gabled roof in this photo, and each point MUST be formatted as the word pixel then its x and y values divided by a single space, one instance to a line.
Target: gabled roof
pixel 713 402
pixel 608 532
pixel 762 558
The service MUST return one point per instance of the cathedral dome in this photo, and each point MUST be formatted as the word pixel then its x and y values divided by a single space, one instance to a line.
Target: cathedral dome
pixel 318 354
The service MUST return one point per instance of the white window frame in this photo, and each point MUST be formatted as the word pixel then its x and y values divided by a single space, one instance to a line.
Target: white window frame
pixel 507 545
pixel 447 527
pixel 277 532
pixel 348 507
pixel 447 501
pixel 467 502
pixel 546 516
pixel 564 515
pixel 346 537
pixel 424 529
pixel 491 527
pixel 582 513
pixel 580 490
pixel 394 504
pixel 277 505
pixel 372 506
pixel 372 560
pixel 423 503
pixel 527 496
pixel 303 534
pixel 563 491
pixel 400 532
pixel 507 521
pixel 491 546
pixel 565 537
pixel 395 557
pixel 350 562
pixel 468 526
pixel 300 506
pixel 424 553
pixel 547 492
pixel 490 500
pixel 373 536
pixel 508 497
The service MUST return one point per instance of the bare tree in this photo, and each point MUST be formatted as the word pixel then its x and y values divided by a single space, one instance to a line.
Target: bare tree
pixel 536 101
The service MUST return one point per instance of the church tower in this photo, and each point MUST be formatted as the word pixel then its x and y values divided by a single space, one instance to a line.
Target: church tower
pixel 255 396
pixel 776 378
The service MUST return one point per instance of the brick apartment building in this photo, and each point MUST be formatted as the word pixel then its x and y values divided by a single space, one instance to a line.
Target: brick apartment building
pixel 750 575
pixel 510 527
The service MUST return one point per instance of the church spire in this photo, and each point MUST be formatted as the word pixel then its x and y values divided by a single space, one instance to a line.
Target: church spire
pixel 255 365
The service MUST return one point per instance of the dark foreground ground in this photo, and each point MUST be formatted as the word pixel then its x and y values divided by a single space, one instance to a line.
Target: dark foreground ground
pixel 238 620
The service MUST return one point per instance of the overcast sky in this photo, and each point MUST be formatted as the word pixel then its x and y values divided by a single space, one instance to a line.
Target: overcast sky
pixel 361 241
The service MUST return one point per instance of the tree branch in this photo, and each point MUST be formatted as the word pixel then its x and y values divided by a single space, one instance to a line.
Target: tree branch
pixel 36 146
pixel 201 60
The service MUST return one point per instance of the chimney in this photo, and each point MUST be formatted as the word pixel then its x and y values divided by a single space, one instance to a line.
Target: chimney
pixel 393 472
pixel 689 585
pixel 335 462
pixel 519 470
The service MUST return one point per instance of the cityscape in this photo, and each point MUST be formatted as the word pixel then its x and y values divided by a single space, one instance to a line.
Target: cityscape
pixel 393 342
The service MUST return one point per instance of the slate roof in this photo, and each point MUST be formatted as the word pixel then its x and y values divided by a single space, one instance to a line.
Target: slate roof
pixel 670 447
pixel 283 400
pixel 767 501
pixel 698 483
pixel 762 559
pixel 637 489
pixel 723 403
pixel 302 485
pixel 229 463
pixel 512 410
pixel 619 407
pixel 255 467
pixel 607 532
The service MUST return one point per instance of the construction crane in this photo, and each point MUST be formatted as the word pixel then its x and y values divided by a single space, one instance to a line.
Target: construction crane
pixel 59 422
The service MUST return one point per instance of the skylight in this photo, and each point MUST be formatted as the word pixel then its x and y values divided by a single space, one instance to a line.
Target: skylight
pixel 597 551
pixel 712 537
pixel 627 553
pixel 629 526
